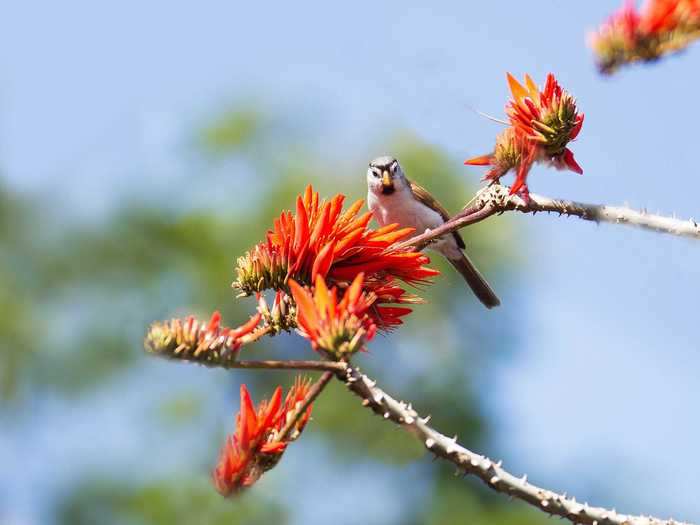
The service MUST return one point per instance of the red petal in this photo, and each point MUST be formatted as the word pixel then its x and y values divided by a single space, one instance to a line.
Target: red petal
pixel 323 299
pixel 483 160
pixel 519 92
pixel 534 111
pixel 214 322
pixel 323 261
pixel 336 207
pixel 308 196
pixel 577 127
pixel 248 421
pixel 392 237
pixel 521 174
pixel 353 293
pixel 549 88
pixel 351 212
pixel 272 409
pixel 306 309
pixel 349 240
pixel 532 89
pixel 301 224
pixel 247 327
pixel 275 447
pixel 571 162
pixel 322 225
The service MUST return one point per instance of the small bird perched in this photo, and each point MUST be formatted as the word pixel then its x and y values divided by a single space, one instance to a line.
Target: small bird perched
pixel 392 198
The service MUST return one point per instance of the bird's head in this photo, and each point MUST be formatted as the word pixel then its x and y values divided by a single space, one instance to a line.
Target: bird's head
pixel 385 176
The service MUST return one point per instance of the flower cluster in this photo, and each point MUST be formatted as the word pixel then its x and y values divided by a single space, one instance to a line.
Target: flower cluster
pixel 193 340
pixel 542 123
pixel 258 442
pixel 322 239
pixel 339 328
pixel 282 315
pixel 659 28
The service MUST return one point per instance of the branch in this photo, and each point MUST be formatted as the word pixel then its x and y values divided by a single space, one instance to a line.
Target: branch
pixel 467 461
pixel 327 366
pixel 314 392
pixel 495 199
pixel 492 474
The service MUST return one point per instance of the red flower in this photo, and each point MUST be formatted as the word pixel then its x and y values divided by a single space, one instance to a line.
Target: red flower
pixel 194 340
pixel 661 27
pixel 321 239
pixel 388 317
pixel 548 117
pixel 256 446
pixel 281 316
pixel 338 328
pixel 622 26
pixel 513 151
pixel 542 123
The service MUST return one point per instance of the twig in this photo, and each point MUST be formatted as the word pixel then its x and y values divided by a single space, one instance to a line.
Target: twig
pixel 314 392
pixel 491 473
pixel 472 215
pixel 495 199
pixel 329 366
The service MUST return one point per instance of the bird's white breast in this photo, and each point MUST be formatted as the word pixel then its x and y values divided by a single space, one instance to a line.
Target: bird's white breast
pixel 404 209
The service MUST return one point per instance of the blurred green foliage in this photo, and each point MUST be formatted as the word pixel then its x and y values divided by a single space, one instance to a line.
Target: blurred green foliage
pixel 178 501
pixel 19 338
pixel 234 128
pixel 77 299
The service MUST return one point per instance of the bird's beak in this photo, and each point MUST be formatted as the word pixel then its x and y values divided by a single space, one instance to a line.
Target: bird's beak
pixel 387 183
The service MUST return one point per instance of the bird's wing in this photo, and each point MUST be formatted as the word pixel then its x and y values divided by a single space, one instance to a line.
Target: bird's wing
pixel 422 195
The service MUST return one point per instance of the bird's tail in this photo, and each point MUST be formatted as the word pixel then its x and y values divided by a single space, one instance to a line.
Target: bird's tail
pixel 475 280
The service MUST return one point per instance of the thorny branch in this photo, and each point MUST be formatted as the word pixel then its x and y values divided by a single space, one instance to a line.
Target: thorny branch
pixel 491 473
pixel 470 463
pixel 495 199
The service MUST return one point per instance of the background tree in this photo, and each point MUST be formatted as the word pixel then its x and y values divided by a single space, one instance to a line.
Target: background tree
pixel 91 254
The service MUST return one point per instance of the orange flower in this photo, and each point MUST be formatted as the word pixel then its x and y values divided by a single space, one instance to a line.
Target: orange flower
pixel 388 317
pixel 661 27
pixel 513 151
pixel 337 328
pixel 548 117
pixel 281 317
pixel 321 239
pixel 194 340
pixel 542 123
pixel 256 445
pixel 620 31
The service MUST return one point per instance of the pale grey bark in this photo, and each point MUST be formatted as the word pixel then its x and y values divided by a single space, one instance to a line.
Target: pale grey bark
pixel 469 463
pixel 495 199
pixel 491 473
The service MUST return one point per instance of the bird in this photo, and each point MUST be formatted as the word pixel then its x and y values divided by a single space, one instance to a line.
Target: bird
pixel 392 198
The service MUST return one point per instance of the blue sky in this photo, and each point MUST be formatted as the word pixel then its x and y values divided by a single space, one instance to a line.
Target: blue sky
pixel 94 96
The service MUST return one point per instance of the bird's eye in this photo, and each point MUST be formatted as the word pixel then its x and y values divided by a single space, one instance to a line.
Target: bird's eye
pixel 376 174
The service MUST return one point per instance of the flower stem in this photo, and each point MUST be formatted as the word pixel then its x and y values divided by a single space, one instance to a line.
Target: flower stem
pixel 314 392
